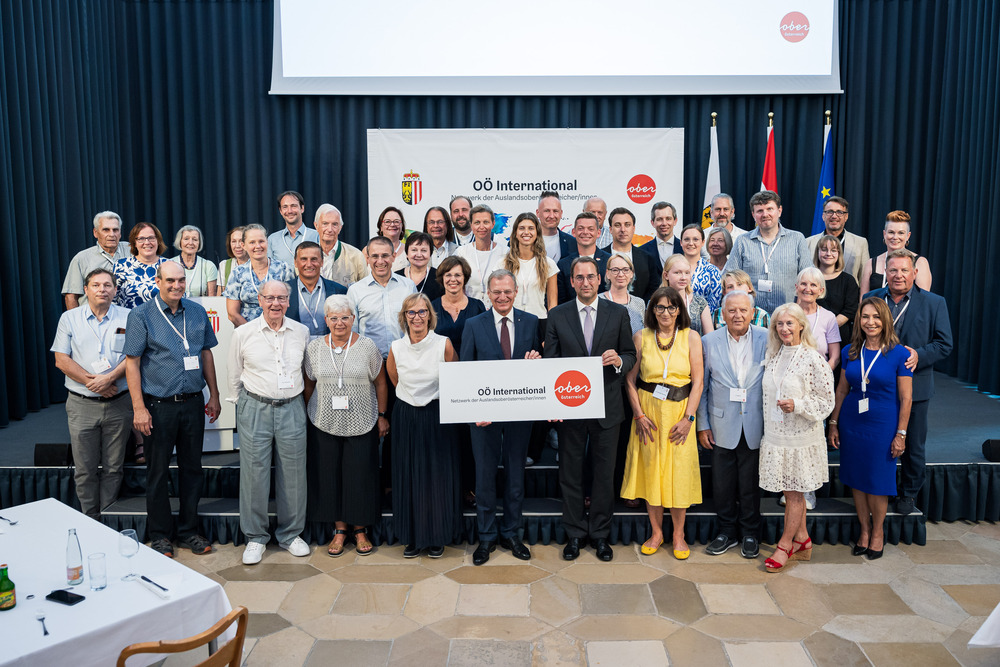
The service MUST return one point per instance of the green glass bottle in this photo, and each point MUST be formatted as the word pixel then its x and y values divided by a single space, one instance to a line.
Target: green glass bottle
pixel 7 596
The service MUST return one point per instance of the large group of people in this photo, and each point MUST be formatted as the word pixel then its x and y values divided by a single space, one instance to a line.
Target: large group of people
pixel 717 339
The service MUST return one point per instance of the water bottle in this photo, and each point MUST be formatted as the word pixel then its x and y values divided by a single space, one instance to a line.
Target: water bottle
pixel 74 559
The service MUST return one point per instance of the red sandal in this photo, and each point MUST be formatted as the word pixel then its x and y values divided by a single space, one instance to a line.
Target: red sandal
pixel 772 565
pixel 804 552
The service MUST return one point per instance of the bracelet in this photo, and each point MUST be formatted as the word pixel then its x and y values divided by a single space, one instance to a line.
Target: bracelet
pixel 901 432
pixel 635 419
pixel 831 421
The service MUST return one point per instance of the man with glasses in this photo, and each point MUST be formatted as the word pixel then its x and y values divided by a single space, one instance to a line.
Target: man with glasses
pixel 590 327
pixel 437 225
pixel 502 332
pixel 855 248
pixel 282 244
pixel 265 377
pixel 168 362
pixel 309 291
pixel 376 301
pixel 585 231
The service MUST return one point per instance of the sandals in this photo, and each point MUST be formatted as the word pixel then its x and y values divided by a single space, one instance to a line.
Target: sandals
pixel 803 552
pixel 332 551
pixel 365 547
pixel 772 565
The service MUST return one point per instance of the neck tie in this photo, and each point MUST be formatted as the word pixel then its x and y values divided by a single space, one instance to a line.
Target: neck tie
pixel 504 338
pixel 588 327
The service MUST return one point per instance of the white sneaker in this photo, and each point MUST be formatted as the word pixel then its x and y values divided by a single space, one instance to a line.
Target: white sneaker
pixel 298 547
pixel 253 553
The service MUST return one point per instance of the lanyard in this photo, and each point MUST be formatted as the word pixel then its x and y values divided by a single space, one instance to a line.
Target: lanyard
pixel 781 380
pixel 310 299
pixel 253 276
pixel 183 336
pixel 666 362
pixel 865 372
pixel 899 315
pixel 768 258
pixel 333 360
pixel 98 336
pixel 740 360
pixel 489 260
pixel 422 282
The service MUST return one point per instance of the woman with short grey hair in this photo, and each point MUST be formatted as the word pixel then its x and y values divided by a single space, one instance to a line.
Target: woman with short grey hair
pixel 346 395
pixel 202 275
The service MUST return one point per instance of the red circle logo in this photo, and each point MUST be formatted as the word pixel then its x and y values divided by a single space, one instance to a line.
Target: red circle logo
pixel 641 188
pixel 794 27
pixel 572 388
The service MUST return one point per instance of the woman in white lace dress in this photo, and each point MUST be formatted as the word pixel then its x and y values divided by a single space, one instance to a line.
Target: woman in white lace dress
pixel 798 396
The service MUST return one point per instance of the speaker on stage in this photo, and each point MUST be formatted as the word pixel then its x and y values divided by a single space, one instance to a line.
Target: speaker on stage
pixel 53 454
pixel 991 450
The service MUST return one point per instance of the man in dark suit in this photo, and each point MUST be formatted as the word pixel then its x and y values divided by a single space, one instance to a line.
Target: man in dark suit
pixel 585 231
pixel 309 291
pixel 646 276
pixel 558 244
pixel 663 217
pixel 500 333
pixel 584 327
pixel 922 324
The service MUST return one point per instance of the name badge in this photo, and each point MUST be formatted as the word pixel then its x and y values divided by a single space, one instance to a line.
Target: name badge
pixel 191 363
pixel 777 415
pixel 862 406
pixel 738 394
pixel 101 365
pixel 764 285
pixel 284 382
pixel 660 393
pixel 339 402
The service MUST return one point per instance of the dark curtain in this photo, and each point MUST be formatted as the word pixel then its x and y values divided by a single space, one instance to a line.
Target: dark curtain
pixel 159 110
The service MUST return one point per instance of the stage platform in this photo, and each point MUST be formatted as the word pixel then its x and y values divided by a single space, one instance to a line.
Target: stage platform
pixel 961 485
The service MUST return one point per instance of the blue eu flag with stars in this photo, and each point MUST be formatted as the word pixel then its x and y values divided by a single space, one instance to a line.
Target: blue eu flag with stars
pixel 825 189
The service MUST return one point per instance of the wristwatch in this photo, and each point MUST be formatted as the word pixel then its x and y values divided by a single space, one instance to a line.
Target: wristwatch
pixel 690 418
pixel 901 432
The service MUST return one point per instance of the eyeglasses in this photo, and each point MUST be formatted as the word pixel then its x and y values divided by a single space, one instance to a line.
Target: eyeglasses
pixel 659 309
pixel 835 214
pixel 618 270
pixel 343 319
pixel 586 278
pixel 414 314
pixel 505 292
pixel 274 299
pixel 145 239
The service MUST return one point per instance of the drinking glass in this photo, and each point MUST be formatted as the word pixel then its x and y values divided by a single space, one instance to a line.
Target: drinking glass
pixel 98 570
pixel 128 546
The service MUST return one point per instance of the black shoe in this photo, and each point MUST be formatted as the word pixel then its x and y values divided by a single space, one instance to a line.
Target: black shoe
pixel 859 550
pixel 603 549
pixel 750 547
pixel 435 552
pixel 516 548
pixel 873 555
pixel 483 551
pixel 572 549
pixel 411 551
pixel 905 505
pixel 721 545
pixel 197 544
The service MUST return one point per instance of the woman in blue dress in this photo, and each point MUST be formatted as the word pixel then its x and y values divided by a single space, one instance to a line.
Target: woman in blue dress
pixel 136 275
pixel 868 423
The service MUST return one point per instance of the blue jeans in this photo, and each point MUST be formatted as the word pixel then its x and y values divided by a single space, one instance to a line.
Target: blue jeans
pixel 259 425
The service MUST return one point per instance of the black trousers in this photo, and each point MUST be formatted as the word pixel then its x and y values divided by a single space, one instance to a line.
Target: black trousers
pixel 574 437
pixel 914 457
pixel 180 425
pixel 735 489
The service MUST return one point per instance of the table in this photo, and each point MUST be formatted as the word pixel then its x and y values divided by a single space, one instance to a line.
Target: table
pixel 94 631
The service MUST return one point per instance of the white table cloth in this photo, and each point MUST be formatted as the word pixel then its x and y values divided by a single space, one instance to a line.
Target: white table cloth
pixel 94 631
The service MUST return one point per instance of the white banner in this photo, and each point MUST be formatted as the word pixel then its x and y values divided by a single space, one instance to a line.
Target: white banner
pixel 522 390
pixel 219 436
pixel 508 169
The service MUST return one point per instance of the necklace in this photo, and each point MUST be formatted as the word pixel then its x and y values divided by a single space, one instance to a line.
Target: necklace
pixel 338 349
pixel 193 264
pixel 661 345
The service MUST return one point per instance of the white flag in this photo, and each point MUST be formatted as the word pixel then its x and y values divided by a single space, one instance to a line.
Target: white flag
pixel 713 182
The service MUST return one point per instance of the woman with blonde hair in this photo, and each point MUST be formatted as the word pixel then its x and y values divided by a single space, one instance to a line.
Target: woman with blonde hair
pixel 677 274
pixel 737 279
pixel 798 396
pixel 896 235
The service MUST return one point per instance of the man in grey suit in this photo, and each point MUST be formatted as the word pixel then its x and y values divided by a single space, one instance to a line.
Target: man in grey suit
pixel 855 248
pixel 590 327
pixel 731 423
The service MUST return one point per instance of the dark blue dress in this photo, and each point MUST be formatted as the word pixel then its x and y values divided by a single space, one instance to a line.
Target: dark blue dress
pixel 866 463
pixel 453 328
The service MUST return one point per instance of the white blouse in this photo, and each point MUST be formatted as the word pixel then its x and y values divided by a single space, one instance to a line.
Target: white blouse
pixel 417 368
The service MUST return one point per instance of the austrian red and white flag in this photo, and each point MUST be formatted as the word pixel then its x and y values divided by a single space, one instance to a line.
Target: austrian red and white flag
pixel 769 180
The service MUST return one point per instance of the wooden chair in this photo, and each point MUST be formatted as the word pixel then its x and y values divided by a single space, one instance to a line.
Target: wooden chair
pixel 230 653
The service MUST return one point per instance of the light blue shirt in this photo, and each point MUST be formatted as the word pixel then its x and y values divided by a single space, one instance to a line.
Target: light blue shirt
pixel 376 308
pixel 87 340
pixel 281 245
pixel 311 311
pixel 784 258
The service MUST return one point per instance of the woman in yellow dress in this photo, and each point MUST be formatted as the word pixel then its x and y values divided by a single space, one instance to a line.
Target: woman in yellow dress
pixel 664 388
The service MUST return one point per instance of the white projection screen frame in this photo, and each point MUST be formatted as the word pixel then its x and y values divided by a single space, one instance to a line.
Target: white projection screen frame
pixel 555 47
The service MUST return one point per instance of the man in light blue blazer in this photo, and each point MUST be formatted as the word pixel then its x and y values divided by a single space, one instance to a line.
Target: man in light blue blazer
pixel 731 423
pixel 502 332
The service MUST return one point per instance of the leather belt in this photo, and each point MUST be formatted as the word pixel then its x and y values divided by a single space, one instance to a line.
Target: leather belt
pixel 176 398
pixel 100 399
pixel 673 393
pixel 274 402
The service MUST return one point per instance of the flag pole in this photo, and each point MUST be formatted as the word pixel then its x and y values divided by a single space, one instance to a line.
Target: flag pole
pixel 770 119
pixel 714 116
pixel 828 121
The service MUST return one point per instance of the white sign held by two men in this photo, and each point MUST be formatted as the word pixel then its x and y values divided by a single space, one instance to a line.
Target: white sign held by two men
pixel 522 390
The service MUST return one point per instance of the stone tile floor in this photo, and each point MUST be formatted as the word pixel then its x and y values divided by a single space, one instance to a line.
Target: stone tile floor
pixel 916 606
